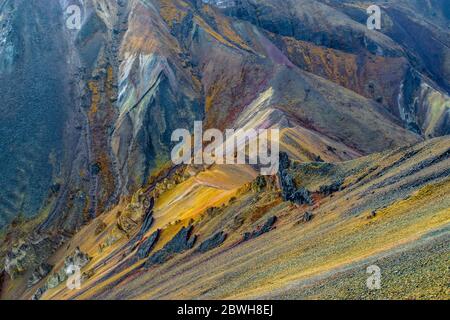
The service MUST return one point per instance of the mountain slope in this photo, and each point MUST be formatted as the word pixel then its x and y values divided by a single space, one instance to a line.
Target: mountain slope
pixel 86 139
pixel 133 63
pixel 391 206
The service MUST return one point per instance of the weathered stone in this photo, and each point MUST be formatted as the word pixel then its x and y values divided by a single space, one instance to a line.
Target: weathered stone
pixel 289 190
pixel 39 273
pixel 284 161
pixel 301 196
pixel 181 242
pixel 327 190
pixel 146 225
pixel 56 278
pixel 288 186
pixel 30 254
pixel 38 294
pixel 259 184
pixel 212 242
pixel 372 214
pixel 268 226
pixel 77 260
pixel 146 247
pixel 307 216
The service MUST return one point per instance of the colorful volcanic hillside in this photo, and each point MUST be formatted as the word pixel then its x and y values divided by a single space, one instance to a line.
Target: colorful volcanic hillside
pixel 87 181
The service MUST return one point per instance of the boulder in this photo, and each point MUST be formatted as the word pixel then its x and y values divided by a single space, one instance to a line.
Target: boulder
pixel 289 190
pixel 284 161
pixel 146 225
pixel 268 226
pixel 288 186
pixel 212 242
pixel 55 279
pixel 372 214
pixel 77 260
pixel 327 190
pixel 301 196
pixel 259 184
pixel 39 273
pixel 307 216
pixel 146 247
pixel 38 294
pixel 181 242
pixel 29 254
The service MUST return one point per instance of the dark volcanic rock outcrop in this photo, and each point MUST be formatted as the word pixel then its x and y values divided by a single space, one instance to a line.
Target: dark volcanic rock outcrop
pixel 39 273
pixel 268 226
pixel 289 189
pixel 181 242
pixel 301 196
pixel 307 217
pixel 147 245
pixel 327 190
pixel 212 242
pixel 76 261
pixel 29 255
pixel 148 221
